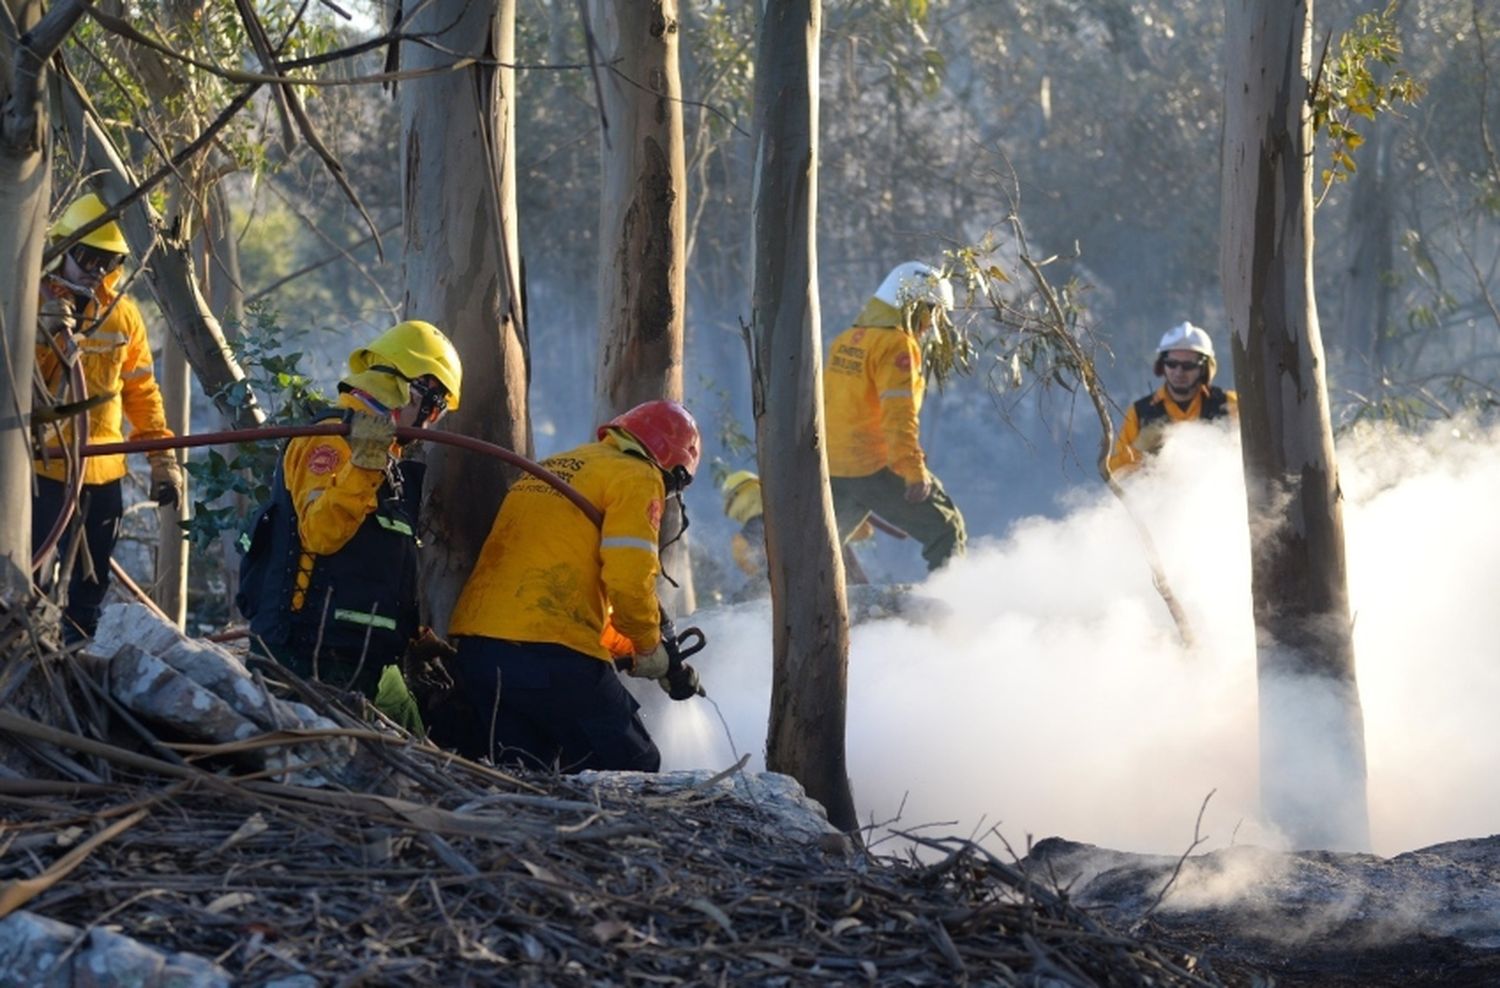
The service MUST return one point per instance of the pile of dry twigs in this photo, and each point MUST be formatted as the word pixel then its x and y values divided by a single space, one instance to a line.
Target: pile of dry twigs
pixel 449 872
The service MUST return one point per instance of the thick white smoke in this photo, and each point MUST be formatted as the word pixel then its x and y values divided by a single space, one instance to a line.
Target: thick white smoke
pixel 1055 699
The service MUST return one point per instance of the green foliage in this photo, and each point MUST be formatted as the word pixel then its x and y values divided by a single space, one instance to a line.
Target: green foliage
pixel 274 377
pixel 1359 80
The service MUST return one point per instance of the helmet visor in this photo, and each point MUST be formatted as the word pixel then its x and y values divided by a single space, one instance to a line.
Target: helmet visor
pixel 94 260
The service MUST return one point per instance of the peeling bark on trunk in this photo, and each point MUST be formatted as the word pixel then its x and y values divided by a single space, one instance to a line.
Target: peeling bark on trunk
pixel 1312 732
pixel 642 212
pixel 463 267
pixel 805 738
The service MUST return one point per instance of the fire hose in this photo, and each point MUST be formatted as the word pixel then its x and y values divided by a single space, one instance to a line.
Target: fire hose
pixel 678 646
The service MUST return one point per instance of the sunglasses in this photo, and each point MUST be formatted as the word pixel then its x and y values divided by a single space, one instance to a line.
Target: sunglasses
pixel 1182 364
pixel 94 260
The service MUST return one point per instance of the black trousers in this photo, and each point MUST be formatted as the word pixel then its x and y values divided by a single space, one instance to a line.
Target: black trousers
pixel 100 508
pixel 548 706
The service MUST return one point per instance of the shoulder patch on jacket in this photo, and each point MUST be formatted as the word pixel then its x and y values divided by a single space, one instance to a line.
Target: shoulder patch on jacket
pixel 323 459
pixel 653 514
pixel 903 361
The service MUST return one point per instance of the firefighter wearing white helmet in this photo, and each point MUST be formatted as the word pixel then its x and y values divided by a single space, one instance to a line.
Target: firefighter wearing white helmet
pixel 1185 362
pixel 84 311
pixel 873 386
pixel 328 579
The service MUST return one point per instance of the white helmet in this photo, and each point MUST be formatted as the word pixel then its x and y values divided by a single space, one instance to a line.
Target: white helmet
pixel 914 281
pixel 1186 336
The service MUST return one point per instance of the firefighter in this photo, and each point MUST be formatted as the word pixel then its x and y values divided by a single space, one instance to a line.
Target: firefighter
pixel 554 601
pixel 1185 362
pixel 329 576
pixel 85 317
pixel 742 504
pixel 873 386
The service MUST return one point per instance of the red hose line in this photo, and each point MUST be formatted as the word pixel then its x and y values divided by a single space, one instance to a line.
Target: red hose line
pixel 404 433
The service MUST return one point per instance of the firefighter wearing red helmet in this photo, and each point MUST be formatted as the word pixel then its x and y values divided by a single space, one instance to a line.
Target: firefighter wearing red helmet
pixel 1186 364
pixel 553 601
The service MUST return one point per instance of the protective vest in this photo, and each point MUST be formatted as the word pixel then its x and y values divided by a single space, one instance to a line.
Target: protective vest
pixel 548 574
pixel 872 392
pixel 368 586
pixel 1215 405
pixel 1141 433
pixel 116 358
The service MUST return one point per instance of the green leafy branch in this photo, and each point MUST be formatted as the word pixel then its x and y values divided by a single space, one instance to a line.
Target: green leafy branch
pixel 1360 80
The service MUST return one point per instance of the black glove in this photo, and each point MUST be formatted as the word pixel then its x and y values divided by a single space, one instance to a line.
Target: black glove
pixel 166 478
pixel 681 683
pixel 425 667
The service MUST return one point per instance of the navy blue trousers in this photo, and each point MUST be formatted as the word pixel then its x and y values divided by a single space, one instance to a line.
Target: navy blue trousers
pixel 100 509
pixel 547 707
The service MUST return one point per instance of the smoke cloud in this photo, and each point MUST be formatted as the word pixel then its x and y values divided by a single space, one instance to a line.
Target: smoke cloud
pixel 1055 699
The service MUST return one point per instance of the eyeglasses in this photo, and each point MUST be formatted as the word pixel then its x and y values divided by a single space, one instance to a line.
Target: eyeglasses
pixel 1182 364
pixel 94 260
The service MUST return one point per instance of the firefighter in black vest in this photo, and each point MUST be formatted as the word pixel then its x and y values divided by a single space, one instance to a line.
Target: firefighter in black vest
pixel 329 577
pixel 1185 362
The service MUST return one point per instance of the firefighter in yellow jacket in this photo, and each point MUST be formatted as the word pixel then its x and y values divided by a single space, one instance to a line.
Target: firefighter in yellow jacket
pixel 1185 361
pixel 87 319
pixel 872 389
pixel 553 601
pixel 328 579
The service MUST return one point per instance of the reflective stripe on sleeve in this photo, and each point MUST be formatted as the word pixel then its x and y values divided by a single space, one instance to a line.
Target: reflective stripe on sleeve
pixel 627 542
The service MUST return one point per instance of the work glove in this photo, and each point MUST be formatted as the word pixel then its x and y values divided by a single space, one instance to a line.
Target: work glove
pixel 651 665
pixel 370 439
pixel 56 315
pixel 682 684
pixel 166 479
pixel 425 666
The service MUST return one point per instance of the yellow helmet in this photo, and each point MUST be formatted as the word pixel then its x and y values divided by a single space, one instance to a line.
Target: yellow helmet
pixel 83 210
pixel 742 496
pixel 410 350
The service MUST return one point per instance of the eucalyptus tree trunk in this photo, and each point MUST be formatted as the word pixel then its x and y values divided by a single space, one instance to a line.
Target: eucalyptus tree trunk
pixel 642 213
pixel 805 738
pixel 1311 726
pixel 170 587
pixel 25 186
pixel 1366 309
pixel 463 264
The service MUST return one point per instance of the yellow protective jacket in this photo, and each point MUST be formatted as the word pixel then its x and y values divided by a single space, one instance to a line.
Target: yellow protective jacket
pixel 332 496
pixel 116 358
pixel 872 393
pixel 548 574
pixel 1140 435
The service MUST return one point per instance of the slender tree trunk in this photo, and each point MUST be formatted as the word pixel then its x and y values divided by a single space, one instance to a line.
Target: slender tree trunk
pixel 25 186
pixel 641 224
pixel 805 738
pixel 1367 286
pixel 463 266
pixel 171 583
pixel 1312 731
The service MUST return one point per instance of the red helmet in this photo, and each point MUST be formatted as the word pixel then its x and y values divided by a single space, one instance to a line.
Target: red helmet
pixel 666 429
